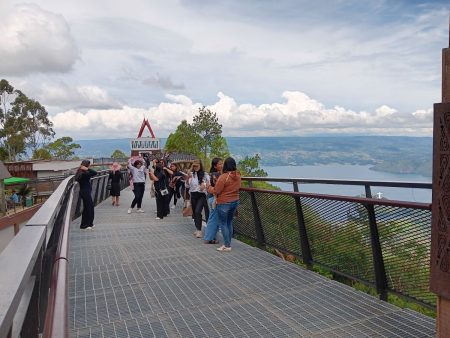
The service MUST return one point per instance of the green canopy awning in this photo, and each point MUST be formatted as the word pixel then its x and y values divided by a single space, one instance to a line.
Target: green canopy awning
pixel 15 180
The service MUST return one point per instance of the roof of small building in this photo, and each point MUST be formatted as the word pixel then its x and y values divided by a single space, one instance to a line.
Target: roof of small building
pixel 4 173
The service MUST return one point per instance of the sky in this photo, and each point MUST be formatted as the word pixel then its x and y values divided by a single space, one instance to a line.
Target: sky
pixel 266 67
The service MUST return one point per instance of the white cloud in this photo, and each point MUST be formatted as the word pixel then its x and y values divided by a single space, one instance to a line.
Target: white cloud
pixel 35 40
pixel 86 96
pixel 297 115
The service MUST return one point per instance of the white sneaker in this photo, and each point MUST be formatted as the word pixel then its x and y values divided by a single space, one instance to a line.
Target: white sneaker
pixel 224 248
pixel 199 234
pixel 140 210
pixel 157 218
pixel 172 207
pixel 89 228
pixel 129 210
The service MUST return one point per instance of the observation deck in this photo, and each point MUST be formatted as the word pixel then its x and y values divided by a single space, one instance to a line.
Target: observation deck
pixel 135 276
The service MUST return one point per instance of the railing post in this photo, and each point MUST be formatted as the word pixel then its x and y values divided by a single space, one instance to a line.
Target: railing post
pixel 368 191
pixel 377 254
pixel 258 225
pixel 104 193
pixel 96 192
pixel 304 242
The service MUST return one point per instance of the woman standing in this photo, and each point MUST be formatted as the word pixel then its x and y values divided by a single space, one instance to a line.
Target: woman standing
pixel 212 224
pixel 83 177
pixel 161 192
pixel 197 181
pixel 138 171
pixel 115 176
pixel 227 192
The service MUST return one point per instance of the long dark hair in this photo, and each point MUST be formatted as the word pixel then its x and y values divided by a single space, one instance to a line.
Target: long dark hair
pixel 84 163
pixel 200 172
pixel 229 165
pixel 214 162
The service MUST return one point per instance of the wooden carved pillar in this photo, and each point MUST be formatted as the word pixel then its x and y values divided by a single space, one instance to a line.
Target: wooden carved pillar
pixel 440 230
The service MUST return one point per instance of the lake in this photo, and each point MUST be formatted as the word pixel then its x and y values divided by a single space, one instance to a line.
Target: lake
pixel 350 172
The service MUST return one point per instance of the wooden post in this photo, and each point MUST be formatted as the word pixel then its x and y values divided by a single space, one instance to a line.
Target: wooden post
pixel 440 230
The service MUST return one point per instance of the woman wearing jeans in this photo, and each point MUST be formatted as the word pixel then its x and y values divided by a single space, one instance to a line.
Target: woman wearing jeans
pixel 212 224
pixel 227 192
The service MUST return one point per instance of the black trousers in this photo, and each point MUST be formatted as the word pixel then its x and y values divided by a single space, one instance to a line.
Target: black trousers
pixel 198 202
pixel 172 192
pixel 162 205
pixel 139 189
pixel 87 217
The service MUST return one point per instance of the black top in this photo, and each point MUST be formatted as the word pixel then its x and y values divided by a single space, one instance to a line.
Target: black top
pixel 84 178
pixel 115 177
pixel 161 183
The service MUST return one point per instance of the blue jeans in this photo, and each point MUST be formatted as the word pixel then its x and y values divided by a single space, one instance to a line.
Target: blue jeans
pixel 213 223
pixel 225 213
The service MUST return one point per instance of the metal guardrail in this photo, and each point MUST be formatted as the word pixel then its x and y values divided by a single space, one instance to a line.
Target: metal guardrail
pixel 33 282
pixel 381 243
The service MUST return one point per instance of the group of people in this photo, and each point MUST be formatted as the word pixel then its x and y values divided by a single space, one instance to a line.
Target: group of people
pixel 214 194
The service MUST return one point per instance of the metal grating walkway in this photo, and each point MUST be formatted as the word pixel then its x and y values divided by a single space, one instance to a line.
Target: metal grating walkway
pixel 134 276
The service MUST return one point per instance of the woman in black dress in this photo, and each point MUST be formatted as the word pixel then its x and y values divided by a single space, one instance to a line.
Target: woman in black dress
pixel 115 175
pixel 83 177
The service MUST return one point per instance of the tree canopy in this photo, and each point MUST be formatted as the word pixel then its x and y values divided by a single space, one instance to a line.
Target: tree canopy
pixel 63 148
pixel 118 154
pixel 202 138
pixel 24 123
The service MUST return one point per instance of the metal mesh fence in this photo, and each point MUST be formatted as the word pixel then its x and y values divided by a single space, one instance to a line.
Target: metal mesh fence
pixel 279 221
pixel 244 223
pixel 405 237
pixel 339 236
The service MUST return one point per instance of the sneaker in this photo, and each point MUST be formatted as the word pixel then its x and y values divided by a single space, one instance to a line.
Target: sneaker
pixel 89 228
pixel 199 234
pixel 224 248
pixel 158 218
pixel 129 210
pixel 172 207
pixel 140 210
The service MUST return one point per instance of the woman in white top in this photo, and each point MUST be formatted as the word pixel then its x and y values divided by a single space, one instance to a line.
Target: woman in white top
pixel 197 182
pixel 139 172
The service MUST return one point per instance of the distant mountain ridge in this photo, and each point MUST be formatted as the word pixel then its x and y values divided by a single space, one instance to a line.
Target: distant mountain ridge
pixel 397 154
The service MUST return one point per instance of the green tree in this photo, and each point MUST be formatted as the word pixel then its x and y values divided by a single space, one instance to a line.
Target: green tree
pixel 118 154
pixel 249 166
pixel 37 125
pixel 207 126
pixel 63 148
pixel 42 154
pixel 24 122
pixel 184 140
pixel 203 138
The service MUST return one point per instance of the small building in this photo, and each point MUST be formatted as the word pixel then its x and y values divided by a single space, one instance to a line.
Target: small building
pixel 41 168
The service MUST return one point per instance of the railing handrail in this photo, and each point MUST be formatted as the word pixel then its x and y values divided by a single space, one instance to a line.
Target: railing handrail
pixel 395 184
pixel 362 200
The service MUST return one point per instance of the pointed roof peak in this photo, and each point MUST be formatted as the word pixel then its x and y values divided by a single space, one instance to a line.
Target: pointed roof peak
pixel 144 124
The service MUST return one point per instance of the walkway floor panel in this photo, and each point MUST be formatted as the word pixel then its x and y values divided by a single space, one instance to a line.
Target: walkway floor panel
pixel 135 276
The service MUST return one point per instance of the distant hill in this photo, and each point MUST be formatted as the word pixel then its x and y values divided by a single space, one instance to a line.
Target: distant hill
pixel 397 154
